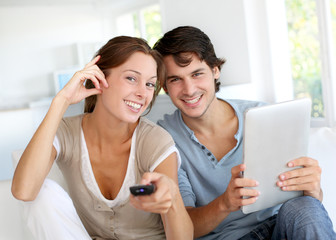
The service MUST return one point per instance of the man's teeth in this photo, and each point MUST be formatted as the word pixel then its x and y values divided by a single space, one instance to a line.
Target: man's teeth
pixel 133 105
pixel 193 100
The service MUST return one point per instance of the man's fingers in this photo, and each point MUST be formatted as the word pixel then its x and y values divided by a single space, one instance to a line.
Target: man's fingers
pixel 301 172
pixel 237 170
pixel 303 161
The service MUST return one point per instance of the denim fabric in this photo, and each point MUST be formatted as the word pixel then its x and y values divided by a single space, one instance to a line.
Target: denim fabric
pixel 299 218
pixel 263 231
pixel 303 218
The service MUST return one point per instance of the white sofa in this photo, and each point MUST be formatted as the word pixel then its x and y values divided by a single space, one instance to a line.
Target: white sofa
pixel 322 147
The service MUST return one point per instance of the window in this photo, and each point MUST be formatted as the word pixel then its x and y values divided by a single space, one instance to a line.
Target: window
pixel 144 23
pixel 312 35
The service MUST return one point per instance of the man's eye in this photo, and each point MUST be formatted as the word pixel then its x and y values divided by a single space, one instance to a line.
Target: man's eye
pixel 173 79
pixel 197 74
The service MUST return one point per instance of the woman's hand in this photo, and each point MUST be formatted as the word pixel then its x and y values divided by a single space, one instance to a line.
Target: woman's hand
pixel 162 199
pixel 74 91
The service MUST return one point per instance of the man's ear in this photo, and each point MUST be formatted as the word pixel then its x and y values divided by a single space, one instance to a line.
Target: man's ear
pixel 165 89
pixel 216 72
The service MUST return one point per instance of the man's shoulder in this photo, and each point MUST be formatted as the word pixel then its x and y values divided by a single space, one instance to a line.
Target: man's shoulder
pixel 170 120
pixel 242 105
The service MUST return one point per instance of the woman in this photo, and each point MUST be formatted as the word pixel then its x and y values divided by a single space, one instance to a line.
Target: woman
pixel 103 152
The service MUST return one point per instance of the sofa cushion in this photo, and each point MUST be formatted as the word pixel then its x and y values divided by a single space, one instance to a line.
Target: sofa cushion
pixel 322 147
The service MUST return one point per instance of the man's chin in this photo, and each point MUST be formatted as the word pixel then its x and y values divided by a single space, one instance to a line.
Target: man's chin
pixel 192 113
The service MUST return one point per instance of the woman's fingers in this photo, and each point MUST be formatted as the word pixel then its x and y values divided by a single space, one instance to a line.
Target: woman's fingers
pixel 92 67
pixel 162 199
pixel 92 62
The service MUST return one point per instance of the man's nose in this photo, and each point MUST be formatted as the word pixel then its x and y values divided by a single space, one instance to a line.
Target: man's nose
pixel 188 87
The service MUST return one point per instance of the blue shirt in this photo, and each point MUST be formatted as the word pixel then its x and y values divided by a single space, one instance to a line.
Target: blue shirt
pixel 202 178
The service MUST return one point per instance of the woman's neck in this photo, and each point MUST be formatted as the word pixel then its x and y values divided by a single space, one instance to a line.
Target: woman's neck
pixel 106 128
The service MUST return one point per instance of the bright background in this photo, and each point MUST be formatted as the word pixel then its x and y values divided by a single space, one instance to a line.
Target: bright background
pixel 275 51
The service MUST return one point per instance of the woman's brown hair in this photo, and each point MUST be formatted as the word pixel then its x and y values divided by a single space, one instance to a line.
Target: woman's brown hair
pixel 116 52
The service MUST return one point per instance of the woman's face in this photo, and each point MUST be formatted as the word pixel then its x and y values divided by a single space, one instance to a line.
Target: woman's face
pixel 131 87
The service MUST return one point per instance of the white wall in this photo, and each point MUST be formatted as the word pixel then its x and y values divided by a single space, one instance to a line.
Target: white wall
pixel 35 41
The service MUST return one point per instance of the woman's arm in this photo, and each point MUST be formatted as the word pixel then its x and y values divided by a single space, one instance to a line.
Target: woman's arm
pixel 166 200
pixel 39 155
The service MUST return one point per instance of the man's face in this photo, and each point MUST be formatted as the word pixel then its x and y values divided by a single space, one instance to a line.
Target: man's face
pixel 191 88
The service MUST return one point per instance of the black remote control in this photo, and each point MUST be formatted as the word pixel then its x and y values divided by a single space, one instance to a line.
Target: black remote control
pixel 138 190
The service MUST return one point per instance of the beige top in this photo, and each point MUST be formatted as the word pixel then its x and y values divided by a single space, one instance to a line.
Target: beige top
pixel 112 219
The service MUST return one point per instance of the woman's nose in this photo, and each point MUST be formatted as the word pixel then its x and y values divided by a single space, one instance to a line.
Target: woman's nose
pixel 141 90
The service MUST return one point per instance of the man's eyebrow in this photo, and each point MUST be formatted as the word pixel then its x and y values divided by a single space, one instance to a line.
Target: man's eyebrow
pixel 198 70
pixel 173 76
pixel 193 72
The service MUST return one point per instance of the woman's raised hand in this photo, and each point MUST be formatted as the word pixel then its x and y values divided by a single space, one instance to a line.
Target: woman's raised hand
pixel 74 91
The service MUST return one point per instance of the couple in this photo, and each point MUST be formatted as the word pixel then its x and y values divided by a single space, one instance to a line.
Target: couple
pixel 110 147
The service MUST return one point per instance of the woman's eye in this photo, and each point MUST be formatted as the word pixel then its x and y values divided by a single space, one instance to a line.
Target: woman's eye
pixel 132 79
pixel 151 85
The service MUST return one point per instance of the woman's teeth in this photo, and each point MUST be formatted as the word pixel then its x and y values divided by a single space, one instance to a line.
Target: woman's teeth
pixel 133 105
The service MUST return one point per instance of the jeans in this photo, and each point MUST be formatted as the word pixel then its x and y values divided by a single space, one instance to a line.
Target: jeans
pixel 299 218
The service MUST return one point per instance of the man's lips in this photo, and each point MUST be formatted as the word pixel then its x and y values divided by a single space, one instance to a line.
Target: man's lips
pixel 193 100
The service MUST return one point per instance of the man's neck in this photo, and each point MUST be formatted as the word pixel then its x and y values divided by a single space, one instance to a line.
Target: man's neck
pixel 219 113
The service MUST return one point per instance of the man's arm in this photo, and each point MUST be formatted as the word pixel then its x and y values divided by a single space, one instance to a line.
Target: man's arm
pixel 208 217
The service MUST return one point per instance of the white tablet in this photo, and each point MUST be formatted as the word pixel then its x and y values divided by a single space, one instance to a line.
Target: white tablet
pixel 274 135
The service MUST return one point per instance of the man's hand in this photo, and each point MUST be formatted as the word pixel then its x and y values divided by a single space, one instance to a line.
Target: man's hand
pixel 233 198
pixel 306 179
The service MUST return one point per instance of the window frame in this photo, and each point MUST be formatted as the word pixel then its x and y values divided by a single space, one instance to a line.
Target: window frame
pixel 328 61
pixel 328 77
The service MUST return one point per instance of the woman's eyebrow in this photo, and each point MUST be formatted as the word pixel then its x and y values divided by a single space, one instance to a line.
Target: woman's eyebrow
pixel 131 70
pixel 137 72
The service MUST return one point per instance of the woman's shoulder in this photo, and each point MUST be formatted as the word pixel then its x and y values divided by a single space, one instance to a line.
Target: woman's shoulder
pixel 146 126
pixel 152 132
pixel 69 126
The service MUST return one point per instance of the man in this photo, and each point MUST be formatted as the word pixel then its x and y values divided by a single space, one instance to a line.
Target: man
pixel 208 133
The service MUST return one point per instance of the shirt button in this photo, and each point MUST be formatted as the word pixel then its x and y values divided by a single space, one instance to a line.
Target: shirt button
pixel 212 159
pixel 203 147
pixel 209 154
